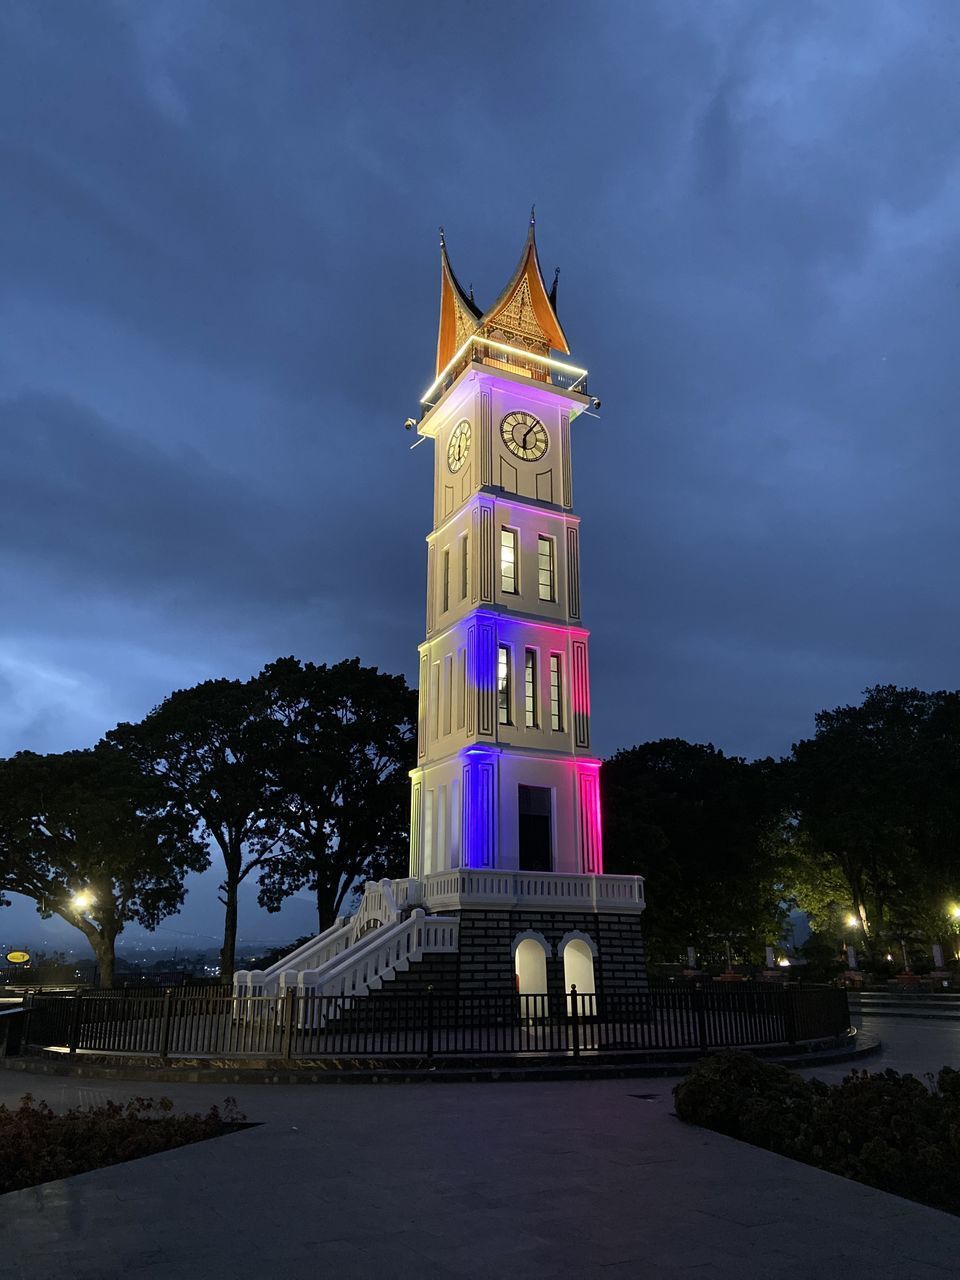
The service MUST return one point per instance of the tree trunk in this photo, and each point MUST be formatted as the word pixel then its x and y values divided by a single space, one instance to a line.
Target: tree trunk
pixel 105 953
pixel 326 906
pixel 228 952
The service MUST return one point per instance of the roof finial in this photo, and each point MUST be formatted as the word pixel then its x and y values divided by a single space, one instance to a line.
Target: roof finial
pixel 533 215
pixel 553 288
pixel 443 243
pixel 472 299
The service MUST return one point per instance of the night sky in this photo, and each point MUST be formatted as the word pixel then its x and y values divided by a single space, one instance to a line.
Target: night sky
pixel 218 304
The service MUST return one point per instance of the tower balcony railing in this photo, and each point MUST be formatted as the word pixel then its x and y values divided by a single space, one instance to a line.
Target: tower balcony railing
pixel 473 887
pixel 486 350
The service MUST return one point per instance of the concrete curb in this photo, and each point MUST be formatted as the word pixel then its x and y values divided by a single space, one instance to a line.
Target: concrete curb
pixel 413 1071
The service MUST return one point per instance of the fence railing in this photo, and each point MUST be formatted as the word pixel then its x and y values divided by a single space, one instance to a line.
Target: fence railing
pixel 305 1024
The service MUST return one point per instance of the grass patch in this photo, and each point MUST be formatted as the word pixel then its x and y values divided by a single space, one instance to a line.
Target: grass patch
pixel 887 1130
pixel 38 1144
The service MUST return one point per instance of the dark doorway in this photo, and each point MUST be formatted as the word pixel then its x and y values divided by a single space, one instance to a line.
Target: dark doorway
pixel 535 843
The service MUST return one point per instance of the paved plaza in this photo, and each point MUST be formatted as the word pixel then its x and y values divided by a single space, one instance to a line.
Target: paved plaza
pixel 575 1179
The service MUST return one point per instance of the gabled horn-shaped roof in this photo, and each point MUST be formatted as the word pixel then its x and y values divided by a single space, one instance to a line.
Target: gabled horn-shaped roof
pixel 459 314
pixel 526 293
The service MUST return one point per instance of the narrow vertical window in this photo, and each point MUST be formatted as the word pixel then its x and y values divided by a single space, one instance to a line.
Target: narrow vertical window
pixel 446 579
pixel 503 684
pixel 464 565
pixel 462 689
pixel 545 568
pixel 508 561
pixel 435 699
pixel 530 688
pixel 447 692
pixel 556 692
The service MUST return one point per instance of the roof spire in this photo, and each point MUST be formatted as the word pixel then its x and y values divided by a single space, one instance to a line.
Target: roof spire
pixel 553 288
pixel 533 215
pixel 459 312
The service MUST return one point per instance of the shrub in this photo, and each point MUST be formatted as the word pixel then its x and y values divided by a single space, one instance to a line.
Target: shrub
pixel 39 1145
pixel 885 1129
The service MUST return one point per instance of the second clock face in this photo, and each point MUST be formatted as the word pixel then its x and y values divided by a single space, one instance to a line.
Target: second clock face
pixel 459 446
pixel 524 435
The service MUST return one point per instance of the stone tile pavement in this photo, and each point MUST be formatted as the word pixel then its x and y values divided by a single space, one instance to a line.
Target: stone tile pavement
pixel 460 1182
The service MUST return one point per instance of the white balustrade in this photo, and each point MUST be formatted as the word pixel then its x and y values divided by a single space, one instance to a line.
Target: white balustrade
pixel 374 959
pixel 445 890
pixel 318 951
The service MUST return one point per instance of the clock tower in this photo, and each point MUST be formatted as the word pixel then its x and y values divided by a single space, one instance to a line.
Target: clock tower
pixel 505 794
pixel 505 778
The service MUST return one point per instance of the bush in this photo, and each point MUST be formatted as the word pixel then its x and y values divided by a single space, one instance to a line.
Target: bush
pixel 885 1129
pixel 39 1145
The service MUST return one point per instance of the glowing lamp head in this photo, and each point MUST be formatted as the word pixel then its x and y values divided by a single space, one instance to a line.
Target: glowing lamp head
pixel 83 900
pixel 955 911
pixel 783 962
pixel 851 920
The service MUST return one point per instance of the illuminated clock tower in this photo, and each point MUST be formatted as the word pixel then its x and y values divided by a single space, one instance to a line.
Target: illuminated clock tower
pixel 505 806
pixel 505 779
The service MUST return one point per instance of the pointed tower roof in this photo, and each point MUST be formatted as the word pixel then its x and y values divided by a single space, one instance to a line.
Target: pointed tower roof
pixel 524 306
pixel 459 314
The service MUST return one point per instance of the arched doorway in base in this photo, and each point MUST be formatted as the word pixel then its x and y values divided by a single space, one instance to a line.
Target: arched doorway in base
pixel 579 951
pixel 530 951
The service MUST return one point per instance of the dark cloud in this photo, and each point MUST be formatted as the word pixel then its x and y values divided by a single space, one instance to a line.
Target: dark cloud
pixel 218 282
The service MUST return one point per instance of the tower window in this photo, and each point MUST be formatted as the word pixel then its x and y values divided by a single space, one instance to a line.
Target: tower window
pixel 462 686
pixel 545 568
pixel 536 845
pixel 464 565
pixel 435 698
pixel 503 684
pixel 530 688
pixel 508 561
pixel 556 692
pixel 446 579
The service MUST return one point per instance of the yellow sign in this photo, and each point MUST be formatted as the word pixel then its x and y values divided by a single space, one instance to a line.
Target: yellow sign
pixel 18 957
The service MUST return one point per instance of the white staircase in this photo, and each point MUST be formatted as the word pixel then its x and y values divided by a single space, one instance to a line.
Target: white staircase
pixel 358 953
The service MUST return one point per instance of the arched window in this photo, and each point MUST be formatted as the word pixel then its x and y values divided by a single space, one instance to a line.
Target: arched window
pixel 578 952
pixel 530 966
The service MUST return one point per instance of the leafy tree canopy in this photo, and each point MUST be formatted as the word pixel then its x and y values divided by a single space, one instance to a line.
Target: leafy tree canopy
pixel 339 778
pixel 701 827
pixel 87 823
pixel 876 799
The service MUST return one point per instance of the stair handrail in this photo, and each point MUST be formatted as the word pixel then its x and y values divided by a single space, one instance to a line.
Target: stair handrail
pixel 334 936
pixel 402 941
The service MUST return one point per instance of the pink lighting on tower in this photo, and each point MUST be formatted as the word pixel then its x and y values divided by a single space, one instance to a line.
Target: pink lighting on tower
pixel 591 838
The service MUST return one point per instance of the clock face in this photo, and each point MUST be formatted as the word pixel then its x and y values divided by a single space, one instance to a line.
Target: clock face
pixel 459 446
pixel 524 435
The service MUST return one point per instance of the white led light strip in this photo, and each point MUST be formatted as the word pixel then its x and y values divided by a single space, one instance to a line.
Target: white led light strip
pixel 572 369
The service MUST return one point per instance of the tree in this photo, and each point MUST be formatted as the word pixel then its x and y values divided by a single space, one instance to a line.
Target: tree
pixel 876 801
pixel 86 837
pixel 211 748
pixel 702 828
pixel 340 779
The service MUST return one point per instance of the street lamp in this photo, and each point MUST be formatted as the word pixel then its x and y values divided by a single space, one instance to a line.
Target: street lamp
pixel 851 920
pixel 82 900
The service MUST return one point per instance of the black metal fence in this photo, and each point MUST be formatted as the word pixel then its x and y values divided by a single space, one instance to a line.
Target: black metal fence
pixel 217 1024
